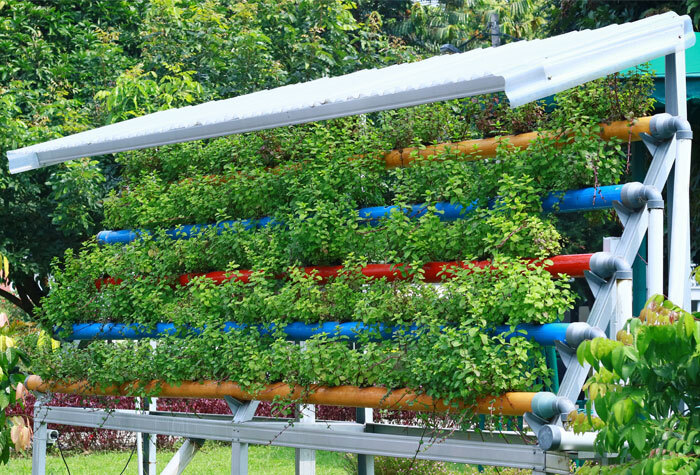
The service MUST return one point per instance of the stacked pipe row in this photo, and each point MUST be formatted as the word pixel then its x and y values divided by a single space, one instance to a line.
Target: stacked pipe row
pixel 195 302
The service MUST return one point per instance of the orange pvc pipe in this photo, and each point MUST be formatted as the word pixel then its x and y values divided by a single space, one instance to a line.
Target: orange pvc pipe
pixel 508 404
pixel 481 148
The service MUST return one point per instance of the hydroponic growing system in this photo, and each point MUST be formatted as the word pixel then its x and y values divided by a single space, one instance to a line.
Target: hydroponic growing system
pixel 525 71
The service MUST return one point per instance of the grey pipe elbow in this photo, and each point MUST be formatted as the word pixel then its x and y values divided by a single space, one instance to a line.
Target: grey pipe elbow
pixel 664 126
pixel 547 405
pixel 635 195
pixel 605 264
pixel 578 332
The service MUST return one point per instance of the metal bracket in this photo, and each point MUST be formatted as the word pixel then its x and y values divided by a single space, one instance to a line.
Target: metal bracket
pixel 243 411
pixel 567 354
pixel 534 422
pixel 650 142
pixel 623 212
pixel 595 282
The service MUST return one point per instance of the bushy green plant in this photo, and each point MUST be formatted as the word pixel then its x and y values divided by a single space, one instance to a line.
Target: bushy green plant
pixel 646 392
pixel 311 179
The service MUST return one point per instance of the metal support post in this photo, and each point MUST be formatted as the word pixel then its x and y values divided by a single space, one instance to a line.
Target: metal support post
pixel 655 243
pixel 305 459
pixel 242 412
pixel 639 267
pixel 182 457
pixel 623 308
pixel 40 436
pixel 146 443
pixel 679 200
pixel 239 458
pixel 365 463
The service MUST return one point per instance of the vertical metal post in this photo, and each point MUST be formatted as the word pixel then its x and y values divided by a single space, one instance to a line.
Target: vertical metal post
pixel 655 236
pixel 365 463
pixel 242 412
pixel 239 458
pixel 678 189
pixel 151 440
pixel 305 459
pixel 40 437
pixel 639 266
pixel 146 443
pixel 623 307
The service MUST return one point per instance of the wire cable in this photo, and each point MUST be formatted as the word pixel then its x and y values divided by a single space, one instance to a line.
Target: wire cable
pixel 130 455
pixel 62 457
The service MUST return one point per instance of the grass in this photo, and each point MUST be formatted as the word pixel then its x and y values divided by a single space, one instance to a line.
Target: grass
pixel 213 458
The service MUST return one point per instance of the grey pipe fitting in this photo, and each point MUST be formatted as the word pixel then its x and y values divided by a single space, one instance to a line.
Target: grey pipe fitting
pixel 634 195
pixel 551 437
pixel 578 332
pixel 664 126
pixel 605 264
pixel 546 405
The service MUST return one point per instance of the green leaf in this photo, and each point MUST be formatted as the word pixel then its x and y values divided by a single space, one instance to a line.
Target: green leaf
pixel 638 437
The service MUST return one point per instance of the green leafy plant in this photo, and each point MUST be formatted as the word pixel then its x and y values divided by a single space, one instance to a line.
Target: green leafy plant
pixel 645 392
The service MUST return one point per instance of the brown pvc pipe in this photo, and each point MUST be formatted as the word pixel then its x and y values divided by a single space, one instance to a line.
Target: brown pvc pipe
pixel 508 404
pixel 482 148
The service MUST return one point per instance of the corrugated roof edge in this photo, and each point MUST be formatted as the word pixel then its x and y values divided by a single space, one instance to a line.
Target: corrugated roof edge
pixel 526 71
pixel 588 65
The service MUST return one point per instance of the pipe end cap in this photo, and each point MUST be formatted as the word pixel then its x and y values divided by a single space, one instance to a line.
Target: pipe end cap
pixel 549 437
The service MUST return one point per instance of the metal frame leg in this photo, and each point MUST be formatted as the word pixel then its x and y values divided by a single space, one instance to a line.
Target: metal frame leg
pixel 365 463
pixel 146 443
pixel 679 216
pixel 242 412
pixel 239 458
pixel 40 437
pixel 623 307
pixel 305 459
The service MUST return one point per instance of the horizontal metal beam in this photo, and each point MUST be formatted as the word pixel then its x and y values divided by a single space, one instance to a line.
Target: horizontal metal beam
pixel 342 437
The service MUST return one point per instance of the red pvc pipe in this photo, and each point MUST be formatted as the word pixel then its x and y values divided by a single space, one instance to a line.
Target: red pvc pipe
pixel 433 272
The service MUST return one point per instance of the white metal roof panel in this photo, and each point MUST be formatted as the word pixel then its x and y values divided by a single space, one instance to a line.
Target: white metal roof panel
pixel 525 71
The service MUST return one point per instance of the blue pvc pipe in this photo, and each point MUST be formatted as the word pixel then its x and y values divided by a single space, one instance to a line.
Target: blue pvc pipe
pixel 587 199
pixel 543 334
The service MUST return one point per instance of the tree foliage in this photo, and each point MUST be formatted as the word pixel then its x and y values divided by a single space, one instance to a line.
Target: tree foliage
pixel 68 66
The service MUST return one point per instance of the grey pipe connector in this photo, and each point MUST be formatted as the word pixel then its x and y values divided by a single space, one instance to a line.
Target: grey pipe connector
pixel 546 405
pixel 635 195
pixel 664 126
pixel 551 437
pixel 578 332
pixel 605 264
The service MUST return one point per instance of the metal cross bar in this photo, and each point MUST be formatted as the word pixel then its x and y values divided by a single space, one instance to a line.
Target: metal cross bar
pixel 340 437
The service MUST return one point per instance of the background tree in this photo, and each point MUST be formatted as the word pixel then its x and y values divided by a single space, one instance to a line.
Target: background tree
pixel 66 66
